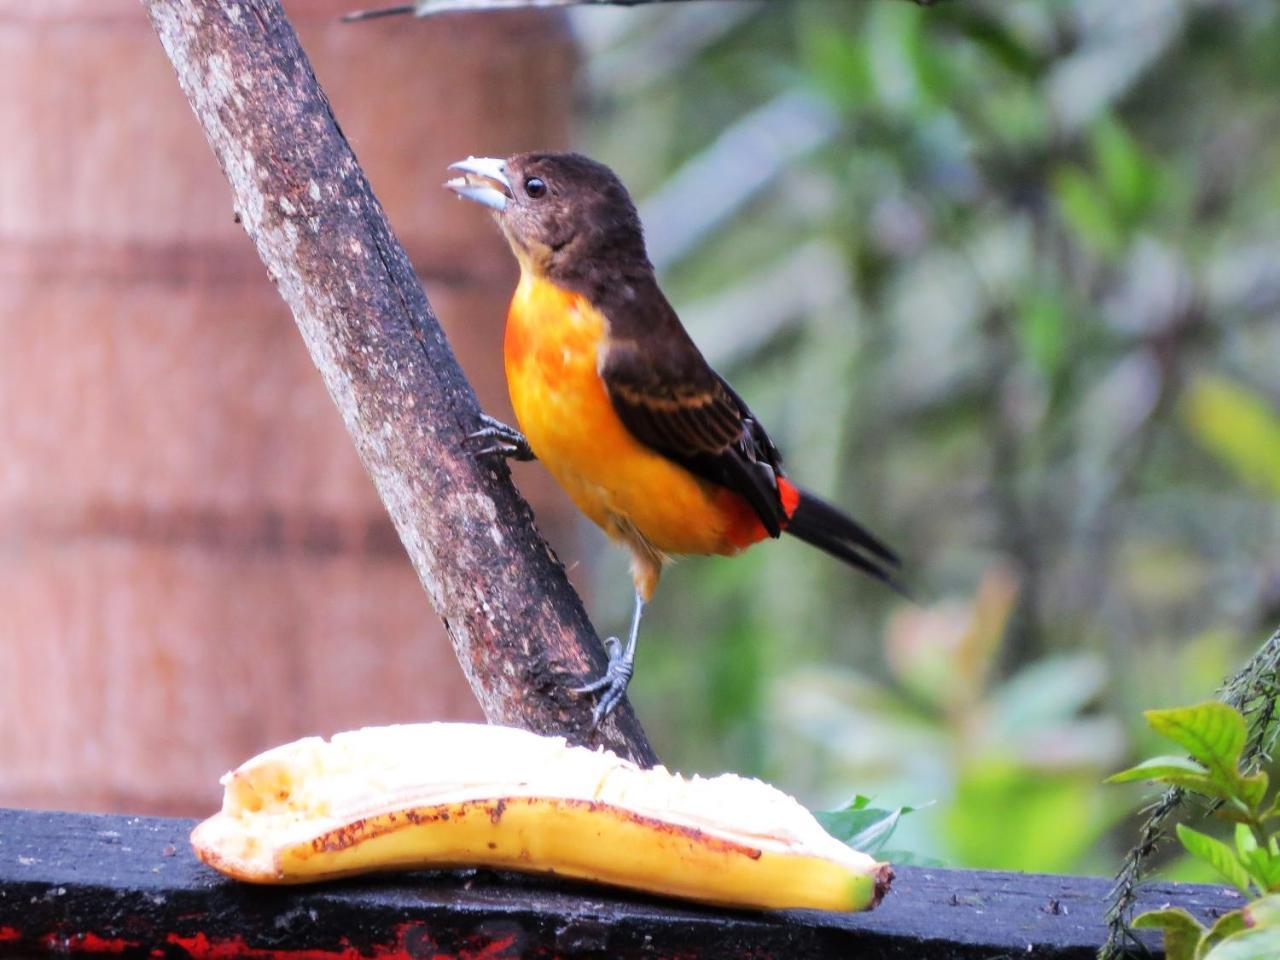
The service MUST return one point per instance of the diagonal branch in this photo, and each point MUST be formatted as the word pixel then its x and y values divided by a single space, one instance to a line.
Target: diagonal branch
pixel 518 628
pixel 429 8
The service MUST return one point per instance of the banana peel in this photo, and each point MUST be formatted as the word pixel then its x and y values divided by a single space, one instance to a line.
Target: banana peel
pixel 455 794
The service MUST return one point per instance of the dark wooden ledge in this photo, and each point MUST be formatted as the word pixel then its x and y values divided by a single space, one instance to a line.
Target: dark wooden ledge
pixel 130 886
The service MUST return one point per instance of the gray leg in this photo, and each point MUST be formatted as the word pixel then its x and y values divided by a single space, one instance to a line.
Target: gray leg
pixel 622 664
pixel 500 440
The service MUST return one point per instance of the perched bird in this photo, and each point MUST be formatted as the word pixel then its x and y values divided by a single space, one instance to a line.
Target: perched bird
pixel 614 398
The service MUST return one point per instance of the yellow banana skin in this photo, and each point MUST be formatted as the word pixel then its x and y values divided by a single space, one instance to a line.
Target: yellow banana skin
pixel 611 823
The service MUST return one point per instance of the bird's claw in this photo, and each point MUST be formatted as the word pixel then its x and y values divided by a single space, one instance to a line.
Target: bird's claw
pixel 613 683
pixel 508 442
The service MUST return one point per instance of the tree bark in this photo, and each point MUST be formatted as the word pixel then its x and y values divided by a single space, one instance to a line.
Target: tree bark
pixel 519 630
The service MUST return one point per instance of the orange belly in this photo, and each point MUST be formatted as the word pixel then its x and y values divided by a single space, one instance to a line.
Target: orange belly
pixel 552 347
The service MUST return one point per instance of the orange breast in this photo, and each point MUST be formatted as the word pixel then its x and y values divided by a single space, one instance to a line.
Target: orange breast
pixel 552 349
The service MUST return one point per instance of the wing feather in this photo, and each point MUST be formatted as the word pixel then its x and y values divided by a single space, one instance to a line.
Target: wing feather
pixel 668 396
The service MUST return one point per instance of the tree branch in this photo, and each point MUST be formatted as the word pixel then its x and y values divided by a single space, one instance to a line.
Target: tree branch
pixel 430 8
pixel 518 628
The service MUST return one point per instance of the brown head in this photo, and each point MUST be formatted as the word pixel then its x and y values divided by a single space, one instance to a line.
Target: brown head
pixel 566 217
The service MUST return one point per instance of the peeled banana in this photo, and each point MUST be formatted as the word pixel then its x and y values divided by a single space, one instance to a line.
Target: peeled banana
pixel 454 794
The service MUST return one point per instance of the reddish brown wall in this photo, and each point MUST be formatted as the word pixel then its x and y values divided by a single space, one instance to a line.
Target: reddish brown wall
pixel 193 565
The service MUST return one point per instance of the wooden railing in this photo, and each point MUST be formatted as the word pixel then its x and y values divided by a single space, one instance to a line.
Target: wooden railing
pixel 98 885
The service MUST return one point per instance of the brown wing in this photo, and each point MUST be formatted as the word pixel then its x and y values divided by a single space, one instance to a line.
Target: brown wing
pixel 668 396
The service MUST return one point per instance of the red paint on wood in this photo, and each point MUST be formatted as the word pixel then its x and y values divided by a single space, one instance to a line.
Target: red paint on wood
pixel 409 943
pixel 204 948
pixel 494 951
pixel 87 943
pixel 62 943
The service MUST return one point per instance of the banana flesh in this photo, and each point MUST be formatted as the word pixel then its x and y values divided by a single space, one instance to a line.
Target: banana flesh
pixel 452 794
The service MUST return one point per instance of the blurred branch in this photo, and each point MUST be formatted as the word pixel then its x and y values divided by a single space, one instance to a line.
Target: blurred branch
pixel 734 325
pixel 740 163
pixel 430 8
pixel 625 53
pixel 1017 520
pixel 1120 43
pixel 519 630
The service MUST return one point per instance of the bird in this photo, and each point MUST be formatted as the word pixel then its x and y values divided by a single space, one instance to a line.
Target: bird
pixel 614 398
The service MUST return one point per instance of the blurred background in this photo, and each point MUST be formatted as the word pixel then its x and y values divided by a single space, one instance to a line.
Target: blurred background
pixel 1002 279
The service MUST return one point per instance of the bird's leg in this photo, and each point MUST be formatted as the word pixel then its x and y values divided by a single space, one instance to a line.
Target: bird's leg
pixel 500 440
pixel 622 664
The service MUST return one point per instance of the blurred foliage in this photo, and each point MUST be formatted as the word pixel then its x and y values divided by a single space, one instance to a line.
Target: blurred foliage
pixel 1003 280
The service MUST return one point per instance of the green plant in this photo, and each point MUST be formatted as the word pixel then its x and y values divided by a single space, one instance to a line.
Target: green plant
pixel 1008 761
pixel 869 828
pixel 1214 735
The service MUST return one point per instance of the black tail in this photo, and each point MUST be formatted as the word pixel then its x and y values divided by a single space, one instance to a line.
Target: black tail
pixel 828 528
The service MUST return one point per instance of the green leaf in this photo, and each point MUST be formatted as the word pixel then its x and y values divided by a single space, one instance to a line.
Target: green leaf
pixel 862 827
pixel 1238 426
pixel 1215 853
pixel 1252 789
pixel 1157 768
pixel 1257 944
pixel 1274 810
pixel 1226 925
pixel 1006 815
pixel 1246 842
pixel 838 64
pixel 908 858
pixel 1262 863
pixel 1086 210
pixel 1048 693
pixel 1182 931
pixel 1211 732
pixel 878 832
pixel 848 820
pixel 1176 771
pixel 1127 175
pixel 1043 326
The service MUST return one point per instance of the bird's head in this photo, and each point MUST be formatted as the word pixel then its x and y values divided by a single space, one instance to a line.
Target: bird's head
pixel 563 214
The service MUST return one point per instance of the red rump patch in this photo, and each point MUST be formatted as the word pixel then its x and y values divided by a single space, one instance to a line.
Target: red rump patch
pixel 744 526
pixel 790 496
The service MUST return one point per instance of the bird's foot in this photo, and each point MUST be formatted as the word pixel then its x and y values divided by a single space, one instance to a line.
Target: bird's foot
pixel 612 686
pixel 499 440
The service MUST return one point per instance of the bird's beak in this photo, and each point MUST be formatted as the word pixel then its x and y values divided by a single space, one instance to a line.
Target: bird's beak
pixel 484 180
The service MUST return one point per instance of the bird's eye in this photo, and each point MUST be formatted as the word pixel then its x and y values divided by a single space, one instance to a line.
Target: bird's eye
pixel 535 188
